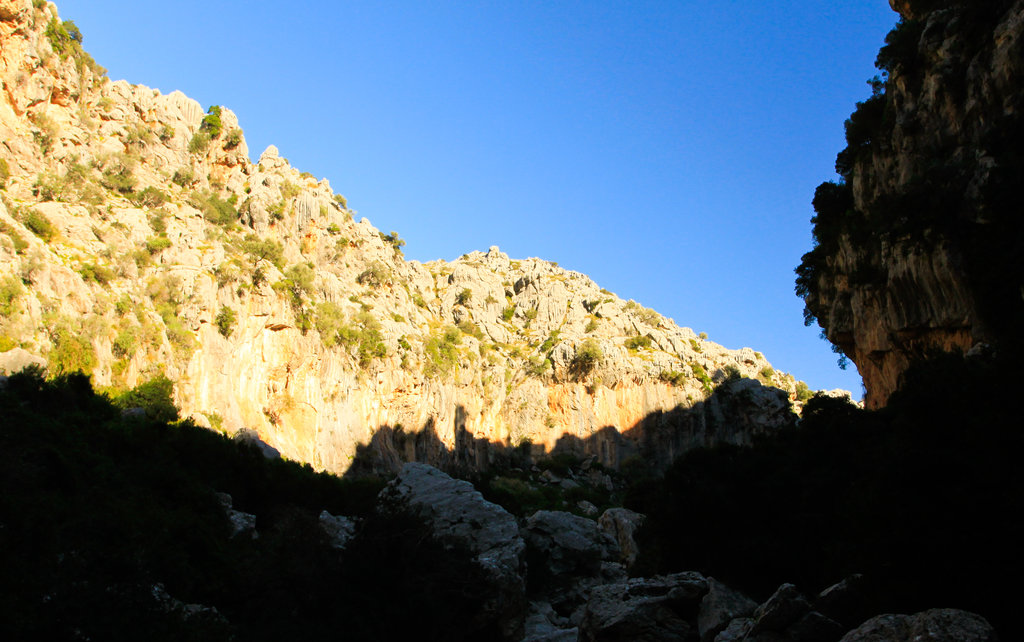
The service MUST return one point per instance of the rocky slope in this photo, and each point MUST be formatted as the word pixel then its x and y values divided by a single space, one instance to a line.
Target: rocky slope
pixel 138 239
pixel 918 247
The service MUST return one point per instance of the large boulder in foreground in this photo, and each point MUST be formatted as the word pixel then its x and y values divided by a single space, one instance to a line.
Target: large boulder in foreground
pixel 934 625
pixel 657 608
pixel 460 517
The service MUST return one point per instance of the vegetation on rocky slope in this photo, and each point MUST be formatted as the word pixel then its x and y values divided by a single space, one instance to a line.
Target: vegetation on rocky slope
pixel 147 243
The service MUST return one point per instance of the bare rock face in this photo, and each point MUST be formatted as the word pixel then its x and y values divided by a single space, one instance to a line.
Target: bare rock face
pixel 918 246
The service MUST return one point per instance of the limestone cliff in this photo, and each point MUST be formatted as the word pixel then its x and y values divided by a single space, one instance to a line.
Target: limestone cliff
pixel 918 246
pixel 138 239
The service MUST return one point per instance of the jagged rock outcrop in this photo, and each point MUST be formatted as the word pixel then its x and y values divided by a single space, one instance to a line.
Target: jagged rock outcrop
pixel 917 249
pixel 137 238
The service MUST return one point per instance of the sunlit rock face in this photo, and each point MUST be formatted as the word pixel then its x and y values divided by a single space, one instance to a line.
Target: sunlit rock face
pixel 919 247
pixel 138 239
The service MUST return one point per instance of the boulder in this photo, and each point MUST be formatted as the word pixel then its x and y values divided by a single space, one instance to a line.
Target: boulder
pixel 720 606
pixel 935 625
pixel 338 528
pixel 736 631
pixel 458 514
pixel 815 627
pixel 657 608
pixel 241 523
pixel 845 602
pixel 783 608
pixel 544 625
pixel 568 544
pixel 622 524
pixel 17 359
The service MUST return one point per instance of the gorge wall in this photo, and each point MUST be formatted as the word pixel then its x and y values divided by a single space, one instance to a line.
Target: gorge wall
pixel 138 240
pixel 918 246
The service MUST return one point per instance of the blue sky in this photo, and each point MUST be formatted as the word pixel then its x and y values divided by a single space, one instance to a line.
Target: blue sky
pixel 669 150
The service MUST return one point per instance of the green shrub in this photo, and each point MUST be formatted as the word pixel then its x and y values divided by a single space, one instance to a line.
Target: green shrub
pixel 97 273
pixel 441 351
pixel 508 312
pixel 767 373
pixel 150 197
pixel 340 200
pixel 124 305
pixel 696 346
pixel 211 125
pixel 180 338
pixel 5 173
pixel 117 174
pixel 702 375
pixel 375 276
pixel 638 343
pixel 260 249
pixel 183 177
pixel 301 276
pixel 588 355
pixel 394 240
pixel 138 136
pixel 803 392
pixel 166 133
pixel 233 139
pixel 125 342
pixel 71 352
pixel 225 321
pixel 19 242
pixel 650 317
pixel 672 377
pixel 330 319
pixel 158 221
pixel 157 244
pixel 472 329
pixel 538 366
pixel 199 142
pixel 38 224
pixel 10 291
pixel 49 187
pixel 549 342
pixel 289 190
pixel 59 37
pixel 155 396
pixel 46 134
pixel 214 208
pixel 591 326
pixel 463 297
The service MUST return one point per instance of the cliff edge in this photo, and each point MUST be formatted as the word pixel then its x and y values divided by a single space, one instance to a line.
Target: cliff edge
pixel 918 246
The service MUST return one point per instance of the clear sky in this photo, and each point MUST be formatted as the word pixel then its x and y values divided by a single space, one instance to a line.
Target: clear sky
pixel 667 149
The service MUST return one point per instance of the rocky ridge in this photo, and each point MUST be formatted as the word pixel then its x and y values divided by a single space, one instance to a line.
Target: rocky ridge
pixel 138 240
